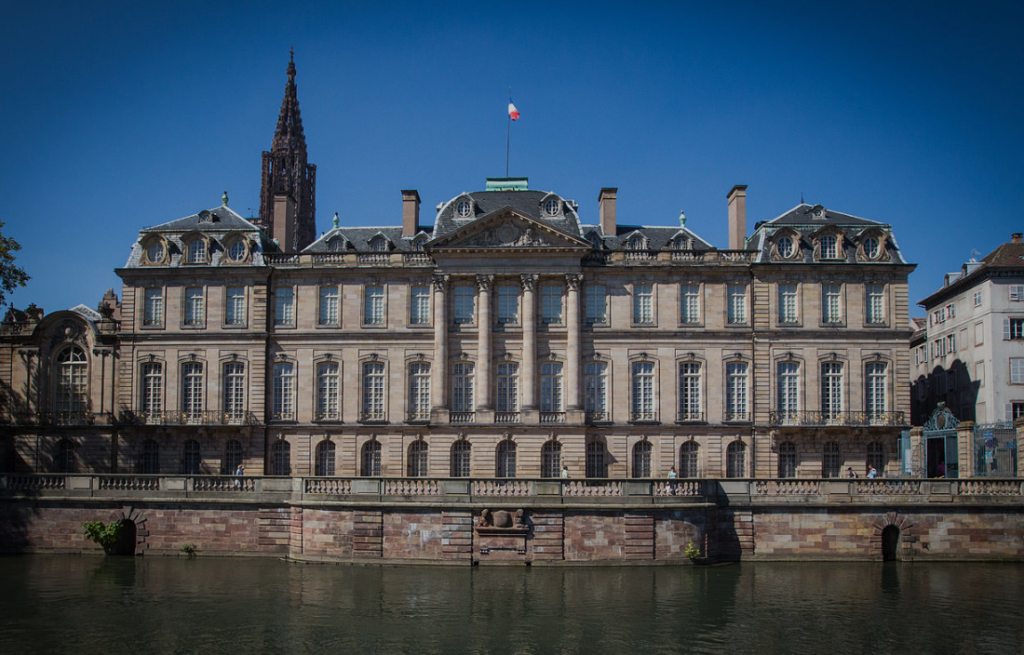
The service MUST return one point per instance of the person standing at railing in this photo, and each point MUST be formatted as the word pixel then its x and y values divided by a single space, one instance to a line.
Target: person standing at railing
pixel 672 475
pixel 565 472
pixel 239 472
pixel 872 473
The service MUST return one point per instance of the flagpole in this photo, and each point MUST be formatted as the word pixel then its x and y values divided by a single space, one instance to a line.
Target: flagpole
pixel 508 132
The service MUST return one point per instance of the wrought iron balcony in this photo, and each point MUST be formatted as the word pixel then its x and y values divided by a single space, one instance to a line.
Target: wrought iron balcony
pixel 818 419
pixel 690 417
pixel 327 415
pixel 373 416
pixel 177 417
pixel 737 417
pixel 418 416
pixel 643 417
pixel 598 417
pixel 70 418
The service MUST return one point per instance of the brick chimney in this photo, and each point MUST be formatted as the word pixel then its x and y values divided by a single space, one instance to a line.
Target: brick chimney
pixel 284 222
pixel 606 199
pixel 1017 237
pixel 737 217
pixel 410 212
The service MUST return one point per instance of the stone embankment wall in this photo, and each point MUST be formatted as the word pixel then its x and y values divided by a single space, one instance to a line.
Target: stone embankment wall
pixel 937 522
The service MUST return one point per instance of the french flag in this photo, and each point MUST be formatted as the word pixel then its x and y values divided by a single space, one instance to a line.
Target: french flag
pixel 513 113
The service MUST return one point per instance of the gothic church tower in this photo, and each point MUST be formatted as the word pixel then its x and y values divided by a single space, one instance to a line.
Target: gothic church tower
pixel 288 185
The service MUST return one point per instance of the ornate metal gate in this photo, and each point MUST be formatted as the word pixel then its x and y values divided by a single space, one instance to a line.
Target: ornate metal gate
pixel 941 458
pixel 995 450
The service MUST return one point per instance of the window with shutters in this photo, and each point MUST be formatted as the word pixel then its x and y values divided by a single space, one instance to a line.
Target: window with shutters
pixel 1014 328
pixel 1017 293
pixel 1017 370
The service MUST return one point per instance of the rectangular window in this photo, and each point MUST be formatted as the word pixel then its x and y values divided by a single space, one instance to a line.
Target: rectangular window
pixel 689 303
pixel 922 354
pixel 551 304
pixel 643 392
pixel 787 303
pixel 831 305
pixel 551 387
pixel 1016 411
pixel 1017 293
pixel 829 248
pixel 328 306
pixel 595 299
pixel 235 313
pixel 1016 328
pixel 875 308
pixel 283 408
pixel 192 390
pixel 979 334
pixel 950 343
pixel 595 391
pixel 419 309
pixel 977 298
pixel 736 392
pixel 152 388
pixel 875 397
pixel 951 310
pixel 373 305
pixel 643 304
pixel 419 391
pixel 507 387
pixel 234 391
pixel 194 308
pixel 284 307
pixel 328 398
pixel 1017 370
pixel 462 387
pixel 154 309
pixel 463 299
pixel 689 392
pixel 788 383
pixel 373 391
pixel 831 391
pixel 736 313
pixel 508 304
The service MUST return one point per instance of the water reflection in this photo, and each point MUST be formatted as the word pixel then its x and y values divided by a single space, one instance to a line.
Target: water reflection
pixel 175 605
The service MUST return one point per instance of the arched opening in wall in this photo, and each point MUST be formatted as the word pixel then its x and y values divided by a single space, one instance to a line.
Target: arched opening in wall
pixel 125 544
pixel 371 460
pixel 890 543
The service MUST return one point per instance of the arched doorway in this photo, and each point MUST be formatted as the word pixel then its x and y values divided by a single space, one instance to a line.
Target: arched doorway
pixel 890 543
pixel 125 544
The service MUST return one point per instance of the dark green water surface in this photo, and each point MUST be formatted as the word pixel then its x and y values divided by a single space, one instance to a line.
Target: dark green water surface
pixel 93 605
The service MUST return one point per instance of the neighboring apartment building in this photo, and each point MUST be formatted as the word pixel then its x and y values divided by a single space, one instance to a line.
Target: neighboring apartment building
pixel 508 339
pixel 970 352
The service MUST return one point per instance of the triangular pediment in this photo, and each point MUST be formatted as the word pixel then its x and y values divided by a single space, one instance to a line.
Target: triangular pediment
pixel 507 229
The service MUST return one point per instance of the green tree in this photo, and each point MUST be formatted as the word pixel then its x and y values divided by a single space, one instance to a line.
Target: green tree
pixel 11 276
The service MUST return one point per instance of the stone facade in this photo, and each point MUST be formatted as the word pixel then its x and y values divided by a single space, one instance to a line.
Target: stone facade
pixel 509 339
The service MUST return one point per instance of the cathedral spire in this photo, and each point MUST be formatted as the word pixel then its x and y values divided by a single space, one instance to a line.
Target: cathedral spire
pixel 288 189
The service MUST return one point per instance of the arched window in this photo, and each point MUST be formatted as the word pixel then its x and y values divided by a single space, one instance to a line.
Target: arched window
pixel 281 458
pixel 149 462
pixel 689 460
pixel 597 466
pixel 787 459
pixel 232 456
pixel 551 459
pixel 831 461
pixel 417 467
pixel 460 459
pixel 191 458
pixel 506 460
pixel 72 381
pixel 325 458
pixel 736 460
pixel 642 459
pixel 379 244
pixel 65 461
pixel 876 456
pixel 371 459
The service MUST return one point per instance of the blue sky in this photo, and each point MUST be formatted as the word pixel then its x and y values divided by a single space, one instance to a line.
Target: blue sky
pixel 124 115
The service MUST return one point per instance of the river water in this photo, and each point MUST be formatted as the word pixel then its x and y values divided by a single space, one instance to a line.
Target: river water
pixel 90 605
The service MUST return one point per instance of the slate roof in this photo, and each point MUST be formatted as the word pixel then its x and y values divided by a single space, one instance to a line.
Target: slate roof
pixel 216 223
pixel 659 237
pixel 358 239
pixel 526 203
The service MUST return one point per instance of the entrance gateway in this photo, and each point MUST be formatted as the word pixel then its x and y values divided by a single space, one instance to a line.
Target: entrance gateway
pixel 940 441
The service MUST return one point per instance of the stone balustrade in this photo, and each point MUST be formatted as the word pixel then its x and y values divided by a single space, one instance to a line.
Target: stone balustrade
pixel 539 490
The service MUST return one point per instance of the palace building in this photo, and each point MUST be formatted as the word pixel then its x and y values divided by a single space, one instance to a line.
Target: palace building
pixel 510 335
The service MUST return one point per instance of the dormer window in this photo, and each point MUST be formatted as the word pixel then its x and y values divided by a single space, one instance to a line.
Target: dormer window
pixel 379 244
pixel 417 243
pixel 636 243
pixel 551 207
pixel 818 213
pixel 237 251
pixel 155 252
pixel 336 245
pixel 829 247
pixel 682 243
pixel 205 216
pixel 464 209
pixel 786 247
pixel 871 247
pixel 196 252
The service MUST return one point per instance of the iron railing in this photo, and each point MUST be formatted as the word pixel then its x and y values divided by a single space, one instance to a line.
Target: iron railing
pixel 783 418
pixel 178 417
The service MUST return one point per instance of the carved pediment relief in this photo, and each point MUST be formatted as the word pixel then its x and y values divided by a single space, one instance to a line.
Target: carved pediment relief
pixel 507 229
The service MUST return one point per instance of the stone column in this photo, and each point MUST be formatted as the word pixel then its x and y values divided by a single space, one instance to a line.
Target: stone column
pixel 483 368
pixel 965 449
pixel 439 377
pixel 529 343
pixel 572 324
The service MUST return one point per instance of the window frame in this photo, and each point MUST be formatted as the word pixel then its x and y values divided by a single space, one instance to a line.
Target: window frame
pixel 193 314
pixel 420 316
pixel 552 299
pixel 591 298
pixel 328 306
pixel 688 301
pixel 736 305
pixel 508 310
pixel 284 307
pixel 645 311
pixel 736 407
pixel 283 375
pixel 875 305
pixel 373 397
pixel 832 313
pixel 328 391
pixel 375 313
pixel 236 314
pixel 786 292
pixel 153 308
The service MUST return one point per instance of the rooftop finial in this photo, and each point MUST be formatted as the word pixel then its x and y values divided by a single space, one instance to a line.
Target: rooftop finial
pixel 224 199
pixel 335 219
pixel 682 218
